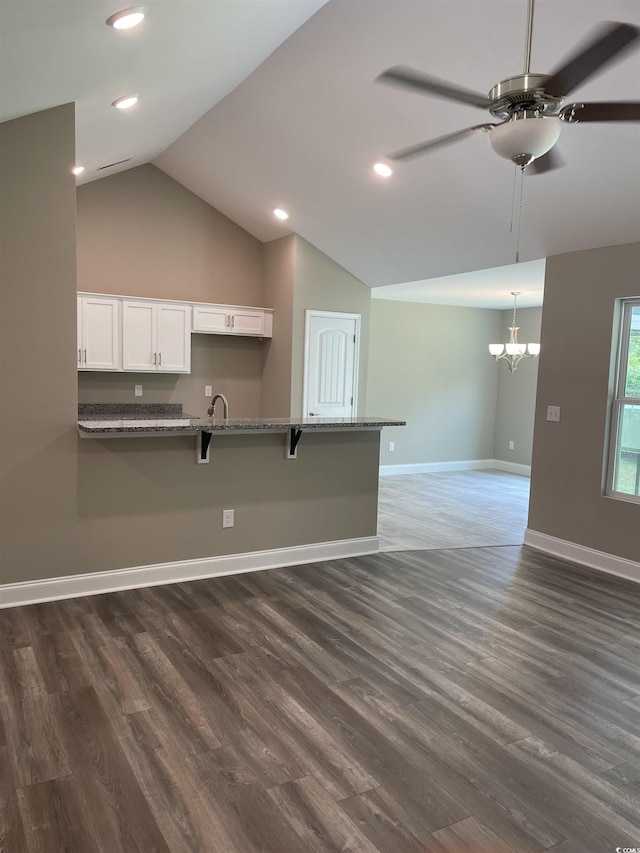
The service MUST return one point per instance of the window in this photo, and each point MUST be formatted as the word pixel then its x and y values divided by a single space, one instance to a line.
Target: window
pixel 623 479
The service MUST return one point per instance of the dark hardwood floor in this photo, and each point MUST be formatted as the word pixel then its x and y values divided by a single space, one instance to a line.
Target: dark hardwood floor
pixel 483 700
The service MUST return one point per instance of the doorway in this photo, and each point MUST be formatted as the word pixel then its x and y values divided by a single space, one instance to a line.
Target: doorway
pixel 330 381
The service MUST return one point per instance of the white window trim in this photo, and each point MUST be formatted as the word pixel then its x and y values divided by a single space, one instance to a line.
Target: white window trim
pixel 619 400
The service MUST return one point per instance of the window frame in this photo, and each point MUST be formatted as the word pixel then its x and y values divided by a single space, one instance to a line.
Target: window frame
pixel 619 400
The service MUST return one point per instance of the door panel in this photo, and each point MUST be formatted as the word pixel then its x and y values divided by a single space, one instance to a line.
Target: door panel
pixel 331 364
pixel 139 336
pixel 99 330
pixel 174 338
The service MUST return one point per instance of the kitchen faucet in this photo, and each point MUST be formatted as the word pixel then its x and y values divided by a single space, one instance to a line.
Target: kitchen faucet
pixel 225 406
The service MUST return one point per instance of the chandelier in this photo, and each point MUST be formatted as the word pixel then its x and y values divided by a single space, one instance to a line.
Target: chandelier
pixel 513 351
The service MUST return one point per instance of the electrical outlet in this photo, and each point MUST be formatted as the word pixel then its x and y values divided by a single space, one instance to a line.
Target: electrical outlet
pixel 392 446
pixel 137 390
pixel 553 413
pixel 511 445
pixel 228 517
pixel 208 391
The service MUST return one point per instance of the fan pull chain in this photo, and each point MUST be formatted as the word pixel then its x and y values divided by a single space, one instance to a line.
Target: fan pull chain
pixel 520 215
pixel 513 197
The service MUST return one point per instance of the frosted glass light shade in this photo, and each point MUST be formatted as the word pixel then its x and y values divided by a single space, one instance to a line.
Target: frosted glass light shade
pixel 533 135
pixel 533 349
pixel 515 349
pixel 496 349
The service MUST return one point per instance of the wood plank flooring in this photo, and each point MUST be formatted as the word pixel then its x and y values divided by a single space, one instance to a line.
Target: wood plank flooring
pixel 482 700
pixel 452 509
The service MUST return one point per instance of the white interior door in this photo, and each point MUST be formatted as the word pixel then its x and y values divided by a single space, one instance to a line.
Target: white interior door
pixel 331 364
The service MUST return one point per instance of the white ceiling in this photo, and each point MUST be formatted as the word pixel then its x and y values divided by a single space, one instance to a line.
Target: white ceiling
pixel 302 130
pixel 183 58
pixel 491 288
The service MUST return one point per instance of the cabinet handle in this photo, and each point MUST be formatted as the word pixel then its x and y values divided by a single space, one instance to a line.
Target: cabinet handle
pixel 155 358
pixel 228 316
pixel 85 356
pixel 159 359
pixel 80 356
pixel 233 321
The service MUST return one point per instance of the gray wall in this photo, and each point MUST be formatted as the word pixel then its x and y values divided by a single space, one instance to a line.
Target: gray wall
pixel 141 233
pixel 429 365
pixel 517 392
pixel 279 261
pixel 567 499
pixel 323 285
pixel 38 461
pixel 70 505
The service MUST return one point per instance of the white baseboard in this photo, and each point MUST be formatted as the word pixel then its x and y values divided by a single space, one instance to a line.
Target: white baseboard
pixel 74 586
pixel 599 560
pixel 433 467
pixel 459 465
pixel 512 467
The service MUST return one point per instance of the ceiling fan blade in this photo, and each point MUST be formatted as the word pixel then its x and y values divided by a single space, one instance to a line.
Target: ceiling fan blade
pixel 407 78
pixel 601 111
pixel 546 163
pixel 611 39
pixel 424 147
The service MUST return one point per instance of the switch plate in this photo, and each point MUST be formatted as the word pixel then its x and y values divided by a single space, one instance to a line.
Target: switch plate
pixel 392 446
pixel 511 445
pixel 553 413
pixel 208 391
pixel 228 517
pixel 137 390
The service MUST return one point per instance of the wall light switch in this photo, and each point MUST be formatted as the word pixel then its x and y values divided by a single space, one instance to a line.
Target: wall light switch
pixel 553 413
pixel 228 517
pixel 137 390
pixel 392 446
pixel 511 445
pixel 208 391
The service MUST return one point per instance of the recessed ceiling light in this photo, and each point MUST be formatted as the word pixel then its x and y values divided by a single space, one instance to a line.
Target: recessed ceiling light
pixel 127 18
pixel 78 170
pixel 125 103
pixel 281 214
pixel 383 170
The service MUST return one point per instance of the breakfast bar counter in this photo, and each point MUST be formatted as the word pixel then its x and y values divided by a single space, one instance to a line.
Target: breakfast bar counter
pixel 116 420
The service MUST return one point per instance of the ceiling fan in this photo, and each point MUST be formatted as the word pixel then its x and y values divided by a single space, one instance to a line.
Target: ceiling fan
pixel 530 105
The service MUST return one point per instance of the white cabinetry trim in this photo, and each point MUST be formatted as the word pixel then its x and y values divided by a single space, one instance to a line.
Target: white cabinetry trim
pixel 74 586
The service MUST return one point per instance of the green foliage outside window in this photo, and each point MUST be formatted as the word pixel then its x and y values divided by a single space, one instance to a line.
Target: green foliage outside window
pixel 633 365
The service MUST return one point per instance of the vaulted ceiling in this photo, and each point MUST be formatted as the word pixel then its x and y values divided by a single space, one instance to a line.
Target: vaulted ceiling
pixel 257 104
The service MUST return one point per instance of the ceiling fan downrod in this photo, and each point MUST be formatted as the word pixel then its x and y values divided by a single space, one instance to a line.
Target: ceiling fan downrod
pixel 528 38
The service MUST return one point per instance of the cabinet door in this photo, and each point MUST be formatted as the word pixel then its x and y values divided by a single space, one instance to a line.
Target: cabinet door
pixel 247 321
pixel 174 338
pixel 211 318
pixel 139 349
pixel 99 333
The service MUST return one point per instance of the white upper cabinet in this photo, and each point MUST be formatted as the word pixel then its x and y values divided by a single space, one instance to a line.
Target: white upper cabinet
pixel 98 333
pixel 156 337
pixel 127 333
pixel 232 320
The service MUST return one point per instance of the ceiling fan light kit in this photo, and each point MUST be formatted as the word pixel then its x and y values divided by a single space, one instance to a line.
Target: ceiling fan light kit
pixel 525 137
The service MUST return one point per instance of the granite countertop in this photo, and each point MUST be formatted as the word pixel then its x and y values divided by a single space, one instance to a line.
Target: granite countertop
pixel 153 418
